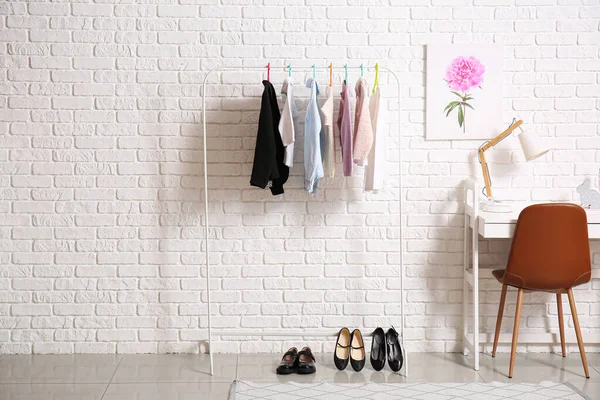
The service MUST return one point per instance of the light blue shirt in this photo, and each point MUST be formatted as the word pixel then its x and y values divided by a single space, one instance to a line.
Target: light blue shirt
pixel 313 162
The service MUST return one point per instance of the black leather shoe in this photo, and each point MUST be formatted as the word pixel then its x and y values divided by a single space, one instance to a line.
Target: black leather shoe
pixel 288 362
pixel 341 354
pixel 357 351
pixel 305 362
pixel 378 349
pixel 394 351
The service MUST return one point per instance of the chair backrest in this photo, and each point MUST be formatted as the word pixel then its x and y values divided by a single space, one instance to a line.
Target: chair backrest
pixel 550 249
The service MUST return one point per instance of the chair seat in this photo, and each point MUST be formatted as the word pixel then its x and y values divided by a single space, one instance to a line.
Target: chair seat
pixel 498 274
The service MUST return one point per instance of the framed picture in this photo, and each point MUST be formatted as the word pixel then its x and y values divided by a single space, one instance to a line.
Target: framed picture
pixel 464 91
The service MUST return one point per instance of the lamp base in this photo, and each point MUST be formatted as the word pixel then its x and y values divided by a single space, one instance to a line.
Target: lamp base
pixel 495 207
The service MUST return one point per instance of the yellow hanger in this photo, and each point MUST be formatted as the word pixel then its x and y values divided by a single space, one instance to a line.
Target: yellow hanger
pixel 376 82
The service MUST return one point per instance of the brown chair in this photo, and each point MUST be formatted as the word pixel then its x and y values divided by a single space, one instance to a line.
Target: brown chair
pixel 550 252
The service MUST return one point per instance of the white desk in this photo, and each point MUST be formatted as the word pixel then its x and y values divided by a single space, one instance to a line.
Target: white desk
pixel 493 226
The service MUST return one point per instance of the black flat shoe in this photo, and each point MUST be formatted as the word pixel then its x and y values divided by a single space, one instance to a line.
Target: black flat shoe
pixel 288 362
pixel 378 349
pixel 305 362
pixel 341 354
pixel 357 351
pixel 394 352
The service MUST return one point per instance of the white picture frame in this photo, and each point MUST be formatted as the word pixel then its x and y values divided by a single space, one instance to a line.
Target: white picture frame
pixel 475 73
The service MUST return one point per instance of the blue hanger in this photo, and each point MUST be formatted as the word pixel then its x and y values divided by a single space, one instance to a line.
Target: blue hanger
pixel 346 77
pixel 289 70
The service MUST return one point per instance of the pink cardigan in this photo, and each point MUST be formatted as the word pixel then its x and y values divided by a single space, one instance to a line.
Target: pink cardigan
pixel 363 129
pixel 344 124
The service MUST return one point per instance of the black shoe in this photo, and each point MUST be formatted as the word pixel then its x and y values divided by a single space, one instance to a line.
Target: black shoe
pixel 357 351
pixel 341 354
pixel 378 349
pixel 288 362
pixel 305 362
pixel 394 352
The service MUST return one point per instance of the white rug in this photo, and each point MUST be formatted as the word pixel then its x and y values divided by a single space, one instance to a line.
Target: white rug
pixel 241 390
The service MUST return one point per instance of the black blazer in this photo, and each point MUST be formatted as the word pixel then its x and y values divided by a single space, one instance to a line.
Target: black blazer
pixel 268 168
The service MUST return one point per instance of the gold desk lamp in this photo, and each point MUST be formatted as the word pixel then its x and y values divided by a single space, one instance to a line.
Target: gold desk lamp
pixel 532 148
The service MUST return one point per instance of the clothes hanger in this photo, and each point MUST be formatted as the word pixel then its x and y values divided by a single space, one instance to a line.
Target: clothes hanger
pixel 330 74
pixel 269 72
pixel 290 70
pixel 376 81
pixel 346 74
pixel 362 70
pixel 314 71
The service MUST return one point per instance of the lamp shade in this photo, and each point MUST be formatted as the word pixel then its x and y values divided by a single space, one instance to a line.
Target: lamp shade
pixel 533 147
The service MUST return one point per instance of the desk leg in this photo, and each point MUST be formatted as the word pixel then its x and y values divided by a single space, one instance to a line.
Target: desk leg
pixel 475 248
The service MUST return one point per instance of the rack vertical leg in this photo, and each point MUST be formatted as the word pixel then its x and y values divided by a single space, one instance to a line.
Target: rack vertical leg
pixel 206 225
pixel 475 248
pixel 465 310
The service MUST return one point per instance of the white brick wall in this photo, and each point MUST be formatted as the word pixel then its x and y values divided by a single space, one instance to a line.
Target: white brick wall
pixel 100 156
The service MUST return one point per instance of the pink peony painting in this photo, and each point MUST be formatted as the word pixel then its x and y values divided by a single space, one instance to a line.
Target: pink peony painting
pixel 462 75
pixel 463 91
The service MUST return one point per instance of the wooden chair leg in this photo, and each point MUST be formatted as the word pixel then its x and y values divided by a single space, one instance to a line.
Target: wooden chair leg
pixel 578 332
pixel 515 337
pixel 561 324
pixel 499 319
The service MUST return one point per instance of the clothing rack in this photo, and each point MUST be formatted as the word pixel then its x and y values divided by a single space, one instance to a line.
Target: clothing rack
pixel 288 332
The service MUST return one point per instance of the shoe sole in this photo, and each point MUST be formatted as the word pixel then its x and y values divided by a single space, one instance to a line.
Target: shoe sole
pixel 285 373
pixel 302 372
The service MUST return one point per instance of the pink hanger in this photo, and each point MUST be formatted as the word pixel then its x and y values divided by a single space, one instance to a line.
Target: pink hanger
pixel 269 72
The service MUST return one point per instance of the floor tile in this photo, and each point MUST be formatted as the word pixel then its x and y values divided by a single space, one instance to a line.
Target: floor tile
pixel 175 368
pixel 591 389
pixel 593 359
pixel 76 368
pixel 51 391
pixel 535 368
pixel 441 367
pixel 168 391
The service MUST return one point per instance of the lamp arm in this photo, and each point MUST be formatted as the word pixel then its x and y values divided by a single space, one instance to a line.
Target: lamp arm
pixel 486 174
pixel 489 145
pixel 501 136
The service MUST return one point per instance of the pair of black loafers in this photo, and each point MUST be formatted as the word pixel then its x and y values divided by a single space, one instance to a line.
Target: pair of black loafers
pixel 349 347
pixel 300 362
pixel 386 345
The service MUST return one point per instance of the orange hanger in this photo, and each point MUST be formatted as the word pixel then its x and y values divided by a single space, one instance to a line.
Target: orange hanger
pixel 330 74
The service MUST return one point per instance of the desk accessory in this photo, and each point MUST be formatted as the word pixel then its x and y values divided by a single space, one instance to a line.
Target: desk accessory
pixel 590 198
pixel 532 148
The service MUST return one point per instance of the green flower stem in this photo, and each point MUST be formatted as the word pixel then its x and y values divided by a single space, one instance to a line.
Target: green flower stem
pixel 461 106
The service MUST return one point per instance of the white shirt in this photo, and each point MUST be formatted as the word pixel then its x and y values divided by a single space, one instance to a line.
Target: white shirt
pixel 288 122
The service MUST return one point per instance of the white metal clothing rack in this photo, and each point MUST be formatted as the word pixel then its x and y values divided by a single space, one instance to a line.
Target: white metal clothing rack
pixel 288 332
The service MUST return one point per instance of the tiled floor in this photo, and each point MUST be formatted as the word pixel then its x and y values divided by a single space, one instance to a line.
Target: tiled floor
pixel 186 377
